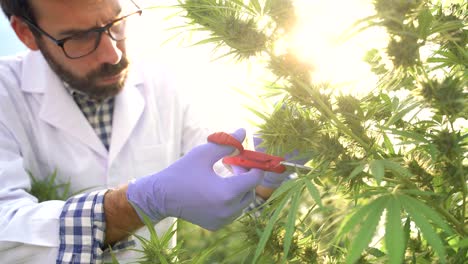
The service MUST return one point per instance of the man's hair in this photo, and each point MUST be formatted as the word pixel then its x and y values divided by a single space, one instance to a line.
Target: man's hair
pixel 20 8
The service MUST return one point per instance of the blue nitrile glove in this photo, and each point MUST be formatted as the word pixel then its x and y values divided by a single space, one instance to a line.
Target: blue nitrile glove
pixel 191 190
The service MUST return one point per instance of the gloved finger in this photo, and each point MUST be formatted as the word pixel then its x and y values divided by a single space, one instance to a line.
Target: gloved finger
pixel 244 202
pixel 245 182
pixel 215 152
pixel 274 180
pixel 257 140
pixel 239 134
pixel 238 169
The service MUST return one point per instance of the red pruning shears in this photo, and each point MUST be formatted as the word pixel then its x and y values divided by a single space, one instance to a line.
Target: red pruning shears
pixel 251 159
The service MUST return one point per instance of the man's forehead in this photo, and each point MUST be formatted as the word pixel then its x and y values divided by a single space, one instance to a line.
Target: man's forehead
pixel 62 17
pixel 43 7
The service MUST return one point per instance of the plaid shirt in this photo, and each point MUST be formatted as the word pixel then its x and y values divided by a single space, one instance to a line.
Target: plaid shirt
pixel 82 228
pixel 82 222
pixel 99 115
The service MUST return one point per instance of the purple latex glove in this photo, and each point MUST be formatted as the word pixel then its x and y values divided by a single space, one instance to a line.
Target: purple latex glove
pixel 191 190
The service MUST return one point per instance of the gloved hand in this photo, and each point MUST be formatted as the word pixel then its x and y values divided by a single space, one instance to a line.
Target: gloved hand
pixel 191 190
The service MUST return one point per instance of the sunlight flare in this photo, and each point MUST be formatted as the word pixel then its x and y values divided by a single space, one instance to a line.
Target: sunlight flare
pixel 320 39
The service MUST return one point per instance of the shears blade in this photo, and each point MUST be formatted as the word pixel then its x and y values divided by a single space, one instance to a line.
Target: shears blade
pixel 252 159
pixel 294 165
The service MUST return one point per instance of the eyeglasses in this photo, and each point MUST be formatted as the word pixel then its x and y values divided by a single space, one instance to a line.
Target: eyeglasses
pixel 84 43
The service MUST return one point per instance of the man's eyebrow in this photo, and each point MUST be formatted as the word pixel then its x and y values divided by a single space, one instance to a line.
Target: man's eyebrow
pixel 70 32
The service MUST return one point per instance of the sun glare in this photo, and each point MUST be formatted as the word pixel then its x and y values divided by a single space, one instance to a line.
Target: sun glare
pixel 320 38
pixel 317 39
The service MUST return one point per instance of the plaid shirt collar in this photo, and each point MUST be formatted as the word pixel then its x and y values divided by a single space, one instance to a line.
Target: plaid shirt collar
pixel 98 113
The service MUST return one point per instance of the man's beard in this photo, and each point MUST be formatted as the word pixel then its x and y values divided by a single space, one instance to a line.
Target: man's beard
pixel 88 84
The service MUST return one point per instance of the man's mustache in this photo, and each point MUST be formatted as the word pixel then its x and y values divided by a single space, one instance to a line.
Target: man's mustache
pixel 107 69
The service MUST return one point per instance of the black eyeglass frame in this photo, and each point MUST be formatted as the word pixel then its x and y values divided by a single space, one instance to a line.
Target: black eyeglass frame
pixel 99 30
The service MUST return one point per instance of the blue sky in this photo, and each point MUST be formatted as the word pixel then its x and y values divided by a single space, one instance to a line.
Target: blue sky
pixel 9 42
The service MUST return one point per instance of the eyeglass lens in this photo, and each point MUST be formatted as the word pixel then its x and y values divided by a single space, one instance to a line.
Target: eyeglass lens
pixel 84 43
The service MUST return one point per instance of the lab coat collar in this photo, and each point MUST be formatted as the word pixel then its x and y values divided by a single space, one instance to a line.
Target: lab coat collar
pixel 129 106
pixel 59 110
pixel 36 73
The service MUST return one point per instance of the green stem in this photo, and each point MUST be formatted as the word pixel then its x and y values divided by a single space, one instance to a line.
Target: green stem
pixel 465 191
pixel 403 180
pixel 460 227
pixel 337 122
pixel 464 188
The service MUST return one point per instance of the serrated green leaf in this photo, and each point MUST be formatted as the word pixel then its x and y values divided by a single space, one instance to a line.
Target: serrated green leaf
pixel 418 138
pixel 165 239
pixel 256 5
pixel 419 193
pixel 269 228
pixel 350 223
pixel 388 144
pixel 426 228
pixel 285 187
pixel 365 234
pixel 291 224
pixel 162 259
pixel 394 235
pixel 448 26
pixel 405 109
pixel 395 103
pixel 424 23
pixel 428 212
pixel 356 171
pixel 203 257
pixel 377 170
pixel 406 231
pixel 314 193
pixel 463 243
pixel 257 113
pixel 395 167
pixel 375 252
pixel 209 40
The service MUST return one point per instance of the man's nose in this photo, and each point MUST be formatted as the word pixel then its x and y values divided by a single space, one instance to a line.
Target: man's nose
pixel 108 51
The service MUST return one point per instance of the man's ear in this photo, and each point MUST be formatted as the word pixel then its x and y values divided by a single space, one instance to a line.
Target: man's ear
pixel 23 32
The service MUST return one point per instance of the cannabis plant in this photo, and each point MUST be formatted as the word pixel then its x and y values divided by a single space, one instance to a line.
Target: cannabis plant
pixel 48 189
pixel 389 183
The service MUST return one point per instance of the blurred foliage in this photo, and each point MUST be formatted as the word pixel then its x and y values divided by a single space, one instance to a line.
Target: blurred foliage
pixel 48 189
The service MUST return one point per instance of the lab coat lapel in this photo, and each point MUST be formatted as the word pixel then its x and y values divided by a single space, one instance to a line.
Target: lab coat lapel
pixel 129 105
pixel 58 107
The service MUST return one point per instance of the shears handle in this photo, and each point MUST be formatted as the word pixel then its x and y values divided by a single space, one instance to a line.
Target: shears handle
pixel 247 158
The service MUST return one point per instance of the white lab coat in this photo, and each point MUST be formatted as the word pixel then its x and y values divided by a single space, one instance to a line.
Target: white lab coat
pixel 42 130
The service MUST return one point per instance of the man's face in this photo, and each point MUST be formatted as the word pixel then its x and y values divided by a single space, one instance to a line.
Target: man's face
pixel 100 74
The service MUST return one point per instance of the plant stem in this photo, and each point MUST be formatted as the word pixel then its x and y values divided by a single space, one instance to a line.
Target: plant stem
pixel 459 227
